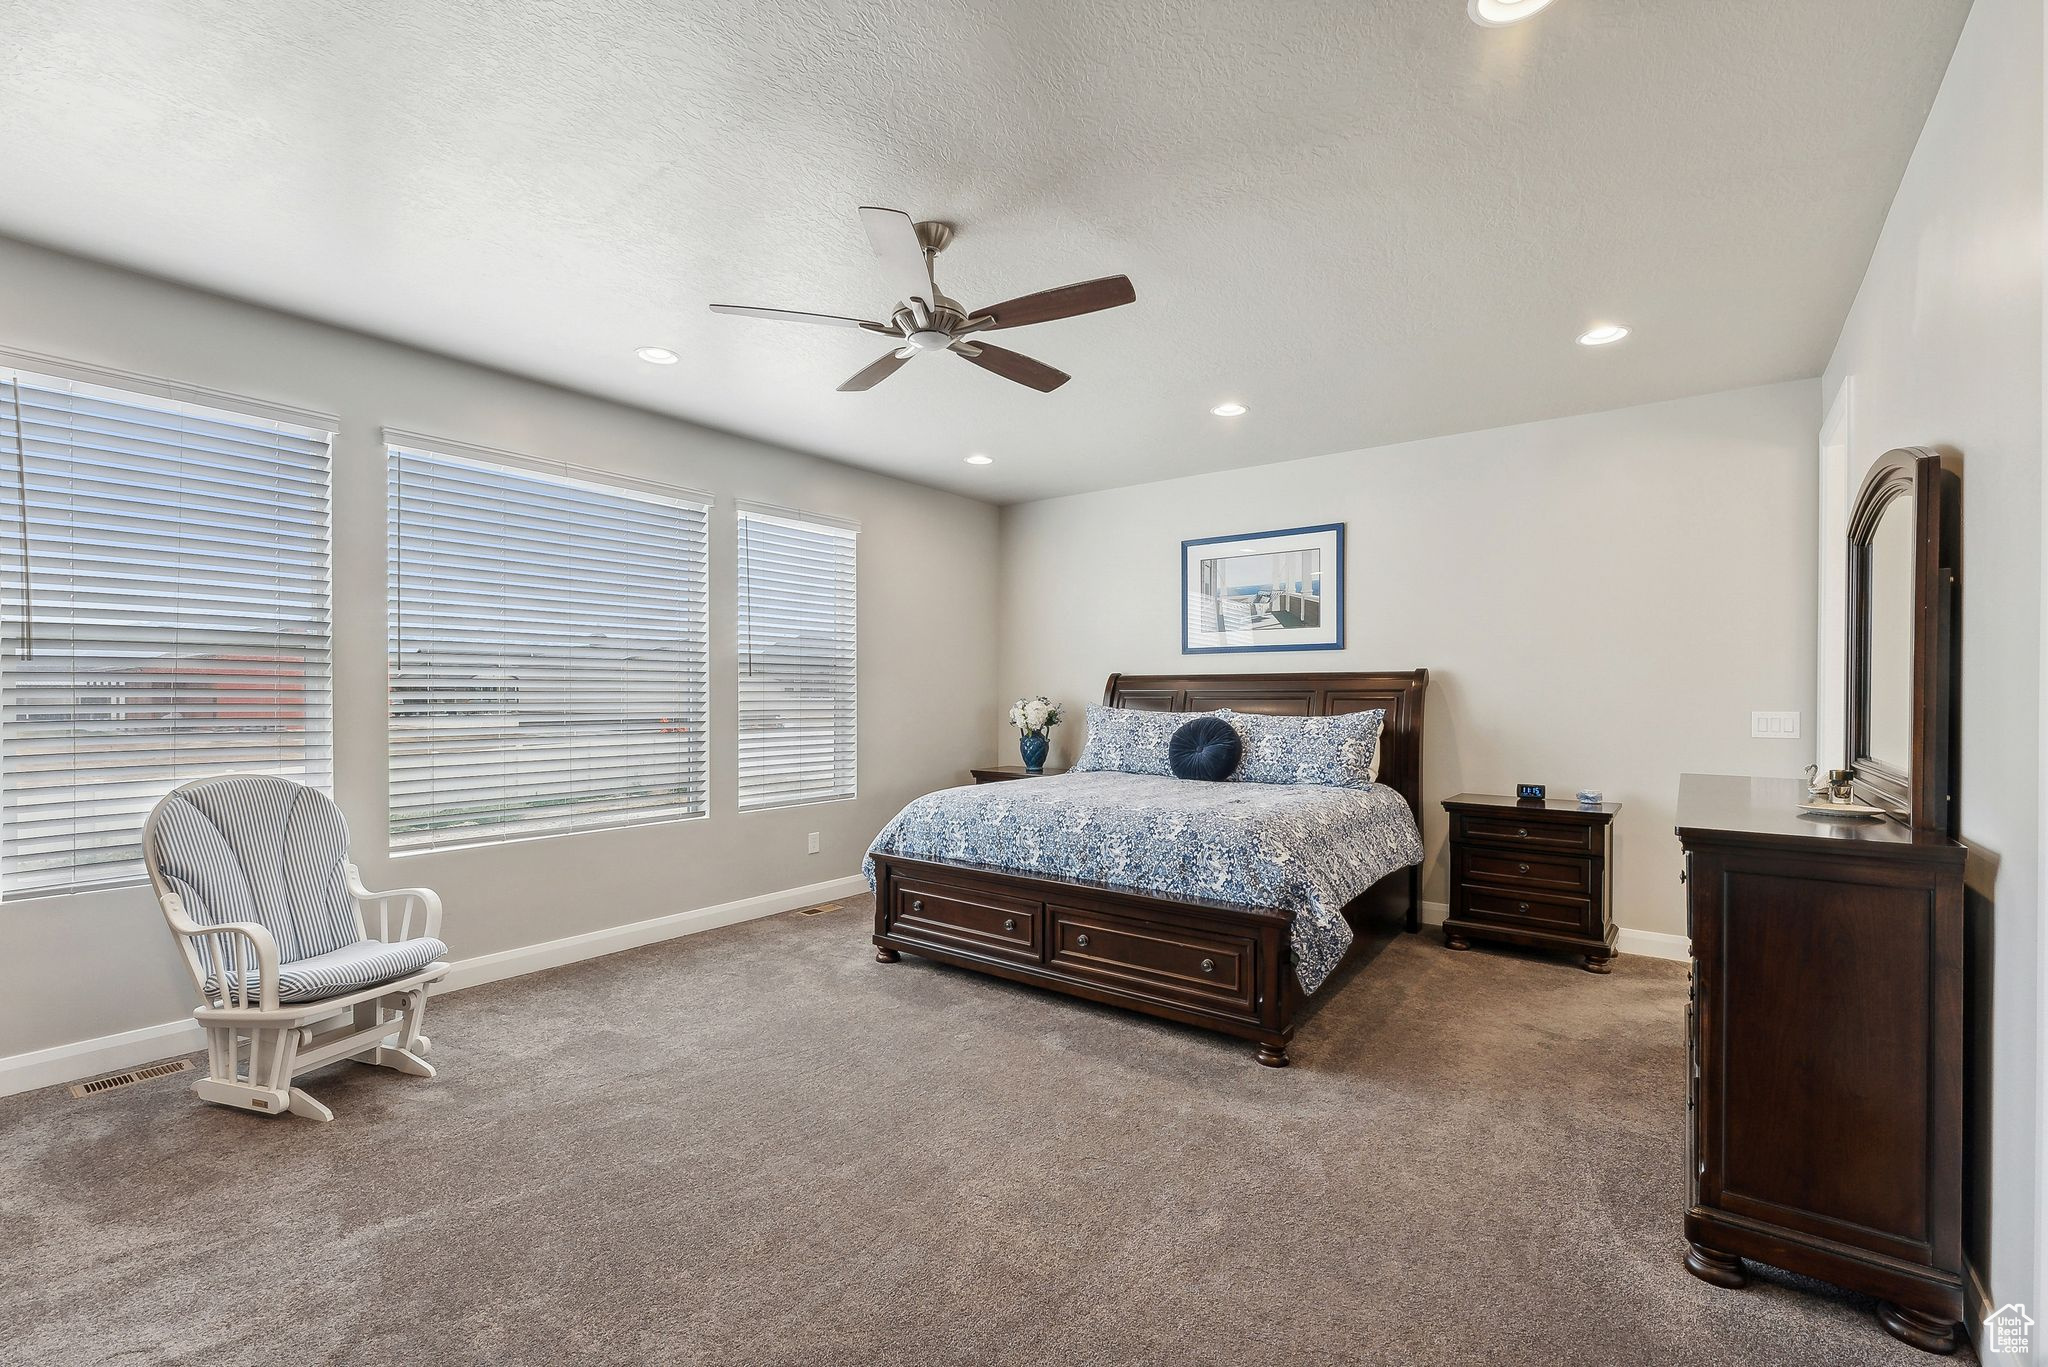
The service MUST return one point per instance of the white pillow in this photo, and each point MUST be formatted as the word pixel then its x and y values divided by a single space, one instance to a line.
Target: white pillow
pixel 1338 752
pixel 1129 741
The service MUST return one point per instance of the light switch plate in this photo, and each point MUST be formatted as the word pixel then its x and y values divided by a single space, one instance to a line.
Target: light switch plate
pixel 1774 725
pixel 813 846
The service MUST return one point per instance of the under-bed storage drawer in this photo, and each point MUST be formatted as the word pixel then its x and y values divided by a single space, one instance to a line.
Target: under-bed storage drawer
pixel 961 918
pixel 1154 959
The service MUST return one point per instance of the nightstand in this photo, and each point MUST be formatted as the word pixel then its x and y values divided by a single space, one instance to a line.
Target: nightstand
pixel 1003 773
pixel 1537 874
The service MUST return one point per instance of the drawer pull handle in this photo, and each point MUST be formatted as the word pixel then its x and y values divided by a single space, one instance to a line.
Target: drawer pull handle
pixel 1081 941
pixel 1208 965
pixel 1523 833
pixel 1521 868
pixel 1522 907
pixel 917 904
pixel 1009 923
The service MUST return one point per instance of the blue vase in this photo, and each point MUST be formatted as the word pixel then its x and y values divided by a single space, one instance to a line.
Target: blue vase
pixel 1033 747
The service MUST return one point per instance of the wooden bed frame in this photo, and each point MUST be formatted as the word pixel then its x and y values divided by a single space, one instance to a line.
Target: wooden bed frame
pixel 1214 964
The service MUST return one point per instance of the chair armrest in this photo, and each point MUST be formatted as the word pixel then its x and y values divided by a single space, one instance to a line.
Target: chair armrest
pixel 234 947
pixel 426 899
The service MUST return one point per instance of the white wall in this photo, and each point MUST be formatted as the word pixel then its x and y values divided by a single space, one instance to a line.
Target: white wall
pixel 1943 348
pixel 83 966
pixel 1600 601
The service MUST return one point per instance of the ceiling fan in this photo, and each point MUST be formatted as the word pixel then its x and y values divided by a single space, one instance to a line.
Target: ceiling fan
pixel 928 321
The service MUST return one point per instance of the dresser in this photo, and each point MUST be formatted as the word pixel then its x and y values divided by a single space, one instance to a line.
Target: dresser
pixel 1532 873
pixel 1826 1050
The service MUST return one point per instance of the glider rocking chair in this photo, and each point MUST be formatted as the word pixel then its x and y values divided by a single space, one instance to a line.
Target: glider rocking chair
pixel 253 874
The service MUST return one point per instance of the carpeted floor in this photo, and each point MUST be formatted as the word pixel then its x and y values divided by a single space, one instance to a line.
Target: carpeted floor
pixel 757 1145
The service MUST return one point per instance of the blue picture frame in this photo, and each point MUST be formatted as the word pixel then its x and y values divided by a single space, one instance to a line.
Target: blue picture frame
pixel 1328 596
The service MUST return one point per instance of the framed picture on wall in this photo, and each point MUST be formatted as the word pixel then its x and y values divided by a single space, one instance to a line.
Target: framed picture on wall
pixel 1263 591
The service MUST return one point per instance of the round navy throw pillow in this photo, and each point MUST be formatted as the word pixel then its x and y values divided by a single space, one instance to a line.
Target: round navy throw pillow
pixel 1206 748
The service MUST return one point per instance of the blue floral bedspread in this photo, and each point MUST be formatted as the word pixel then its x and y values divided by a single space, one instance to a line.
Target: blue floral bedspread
pixel 1302 848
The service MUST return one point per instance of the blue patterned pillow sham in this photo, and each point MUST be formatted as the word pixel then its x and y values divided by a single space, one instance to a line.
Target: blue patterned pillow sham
pixel 1129 742
pixel 1337 752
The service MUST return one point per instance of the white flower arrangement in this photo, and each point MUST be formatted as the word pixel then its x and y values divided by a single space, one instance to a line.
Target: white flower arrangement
pixel 1035 716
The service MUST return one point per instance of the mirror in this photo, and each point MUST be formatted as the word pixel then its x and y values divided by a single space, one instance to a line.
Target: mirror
pixel 1904 555
pixel 1889 626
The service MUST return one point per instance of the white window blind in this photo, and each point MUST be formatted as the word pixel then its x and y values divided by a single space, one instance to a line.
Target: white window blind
pixel 547 650
pixel 165 601
pixel 797 737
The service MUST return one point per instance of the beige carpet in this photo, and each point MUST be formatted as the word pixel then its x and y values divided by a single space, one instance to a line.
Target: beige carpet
pixel 757 1145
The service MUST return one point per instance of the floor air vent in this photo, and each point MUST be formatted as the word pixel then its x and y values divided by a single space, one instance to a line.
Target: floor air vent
pixel 115 1081
pixel 820 909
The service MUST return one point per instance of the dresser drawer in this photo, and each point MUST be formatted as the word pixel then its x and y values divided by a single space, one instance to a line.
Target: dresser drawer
pixel 1524 870
pixel 1546 835
pixel 1155 960
pixel 1531 909
pixel 958 918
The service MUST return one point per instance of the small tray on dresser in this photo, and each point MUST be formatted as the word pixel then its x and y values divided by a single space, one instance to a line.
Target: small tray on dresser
pixel 1821 806
pixel 1532 873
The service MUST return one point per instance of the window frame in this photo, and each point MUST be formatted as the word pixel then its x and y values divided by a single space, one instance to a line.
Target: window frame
pixel 172 398
pixel 807 521
pixel 398 442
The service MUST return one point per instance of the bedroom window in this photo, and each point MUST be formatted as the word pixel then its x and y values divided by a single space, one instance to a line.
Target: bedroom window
pixel 547 640
pixel 164 594
pixel 797 675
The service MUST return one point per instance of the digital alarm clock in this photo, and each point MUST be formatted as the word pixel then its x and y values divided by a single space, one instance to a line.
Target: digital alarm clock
pixel 1529 792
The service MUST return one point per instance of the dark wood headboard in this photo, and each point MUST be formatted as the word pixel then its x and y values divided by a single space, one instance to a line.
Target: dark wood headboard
pixel 1299 695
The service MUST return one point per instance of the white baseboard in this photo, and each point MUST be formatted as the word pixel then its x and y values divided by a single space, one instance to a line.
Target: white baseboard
pixel 133 1048
pixel 1651 944
pixel 104 1054
pixel 510 963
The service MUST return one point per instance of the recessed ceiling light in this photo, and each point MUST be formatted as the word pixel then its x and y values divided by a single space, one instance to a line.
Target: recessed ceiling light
pixel 1228 410
pixel 1501 13
pixel 1602 335
pixel 657 355
pixel 978 459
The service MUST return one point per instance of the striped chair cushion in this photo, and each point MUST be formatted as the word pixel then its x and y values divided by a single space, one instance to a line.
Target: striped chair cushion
pixel 261 849
pixel 363 964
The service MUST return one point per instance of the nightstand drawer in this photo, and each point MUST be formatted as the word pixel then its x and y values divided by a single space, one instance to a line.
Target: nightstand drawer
pixel 1535 834
pixel 1540 909
pixel 1518 871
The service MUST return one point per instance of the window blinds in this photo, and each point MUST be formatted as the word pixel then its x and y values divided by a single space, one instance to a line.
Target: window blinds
pixel 797 739
pixel 547 638
pixel 164 593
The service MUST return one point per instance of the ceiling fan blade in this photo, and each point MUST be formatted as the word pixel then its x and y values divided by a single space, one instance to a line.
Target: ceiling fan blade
pixel 1090 296
pixel 1008 364
pixel 791 316
pixel 894 239
pixel 878 372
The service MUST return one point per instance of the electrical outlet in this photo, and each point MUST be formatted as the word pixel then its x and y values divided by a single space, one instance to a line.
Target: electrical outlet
pixel 813 847
pixel 1774 725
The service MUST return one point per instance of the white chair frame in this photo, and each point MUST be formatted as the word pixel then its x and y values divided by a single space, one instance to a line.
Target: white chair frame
pixel 255 1048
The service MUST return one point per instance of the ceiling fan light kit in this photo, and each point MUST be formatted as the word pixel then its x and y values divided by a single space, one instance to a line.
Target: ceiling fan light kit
pixel 927 321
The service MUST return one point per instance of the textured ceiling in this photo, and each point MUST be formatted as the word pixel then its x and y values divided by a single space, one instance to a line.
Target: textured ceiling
pixel 1368 221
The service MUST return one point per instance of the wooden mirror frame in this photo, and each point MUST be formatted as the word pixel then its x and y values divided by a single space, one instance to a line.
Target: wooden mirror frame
pixel 1923 797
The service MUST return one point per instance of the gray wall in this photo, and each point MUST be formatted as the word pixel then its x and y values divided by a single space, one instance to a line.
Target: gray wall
pixel 82 966
pixel 1943 347
pixel 1600 600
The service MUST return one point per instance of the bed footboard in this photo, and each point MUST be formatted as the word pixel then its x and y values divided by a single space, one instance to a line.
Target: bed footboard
pixel 1222 967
